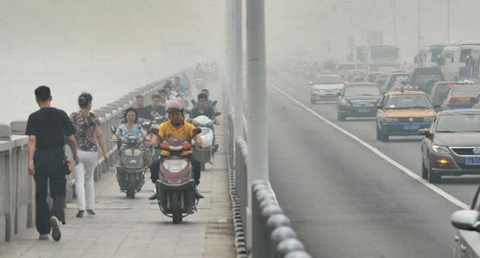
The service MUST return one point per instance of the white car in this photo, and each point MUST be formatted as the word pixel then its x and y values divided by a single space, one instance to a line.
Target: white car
pixel 325 87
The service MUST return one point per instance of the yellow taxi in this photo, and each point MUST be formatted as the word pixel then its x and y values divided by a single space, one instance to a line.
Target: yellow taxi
pixel 403 113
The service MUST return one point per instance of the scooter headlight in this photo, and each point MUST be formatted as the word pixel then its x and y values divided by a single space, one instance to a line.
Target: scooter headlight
pixel 175 166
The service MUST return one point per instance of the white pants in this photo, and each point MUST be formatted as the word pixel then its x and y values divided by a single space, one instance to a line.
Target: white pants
pixel 84 179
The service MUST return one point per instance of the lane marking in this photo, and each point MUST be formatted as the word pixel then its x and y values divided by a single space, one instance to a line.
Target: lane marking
pixel 410 173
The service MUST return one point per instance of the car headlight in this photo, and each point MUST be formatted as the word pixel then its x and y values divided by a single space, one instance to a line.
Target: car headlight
pixel 345 102
pixel 428 119
pixel 390 120
pixel 442 150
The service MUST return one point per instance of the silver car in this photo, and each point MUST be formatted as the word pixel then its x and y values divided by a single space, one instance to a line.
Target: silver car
pixel 325 87
pixel 467 238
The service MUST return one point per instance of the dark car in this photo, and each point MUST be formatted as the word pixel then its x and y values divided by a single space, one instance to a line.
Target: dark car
pixel 423 75
pixel 467 238
pixel 452 145
pixel 358 100
pixel 461 96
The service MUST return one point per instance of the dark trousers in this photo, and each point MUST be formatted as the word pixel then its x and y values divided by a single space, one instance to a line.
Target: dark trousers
pixel 196 167
pixel 48 173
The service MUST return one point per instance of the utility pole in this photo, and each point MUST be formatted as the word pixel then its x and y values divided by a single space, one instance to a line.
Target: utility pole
pixel 238 66
pixel 257 100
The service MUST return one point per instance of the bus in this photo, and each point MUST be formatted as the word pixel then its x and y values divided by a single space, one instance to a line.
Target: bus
pixel 373 57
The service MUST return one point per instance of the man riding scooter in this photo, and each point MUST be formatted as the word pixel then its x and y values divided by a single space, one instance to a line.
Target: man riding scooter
pixel 175 127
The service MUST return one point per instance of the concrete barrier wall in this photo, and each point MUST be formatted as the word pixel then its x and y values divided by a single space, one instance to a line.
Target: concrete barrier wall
pixel 17 187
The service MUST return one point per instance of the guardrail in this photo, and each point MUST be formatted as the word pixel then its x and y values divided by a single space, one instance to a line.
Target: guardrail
pixel 272 235
pixel 17 196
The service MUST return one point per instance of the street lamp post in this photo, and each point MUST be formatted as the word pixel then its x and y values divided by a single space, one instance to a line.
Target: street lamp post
pixel 394 22
pixel 448 20
pixel 418 25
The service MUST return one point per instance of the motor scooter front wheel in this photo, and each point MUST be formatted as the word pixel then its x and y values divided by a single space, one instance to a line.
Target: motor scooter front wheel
pixel 176 207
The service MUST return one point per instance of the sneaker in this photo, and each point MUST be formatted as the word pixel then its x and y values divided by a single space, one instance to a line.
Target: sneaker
pixel 44 237
pixel 80 213
pixel 91 212
pixel 198 195
pixel 54 223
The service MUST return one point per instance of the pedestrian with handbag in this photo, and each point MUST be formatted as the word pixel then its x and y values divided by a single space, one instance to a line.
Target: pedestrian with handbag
pixel 47 129
pixel 87 127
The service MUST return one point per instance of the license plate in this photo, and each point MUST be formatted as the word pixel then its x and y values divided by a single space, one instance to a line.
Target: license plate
pixel 411 127
pixel 472 161
pixel 364 110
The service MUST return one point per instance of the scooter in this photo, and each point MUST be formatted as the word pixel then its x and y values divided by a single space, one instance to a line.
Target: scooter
pixel 131 168
pixel 206 153
pixel 176 186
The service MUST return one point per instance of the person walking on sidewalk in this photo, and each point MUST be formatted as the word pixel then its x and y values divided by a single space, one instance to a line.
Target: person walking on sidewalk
pixel 47 129
pixel 86 125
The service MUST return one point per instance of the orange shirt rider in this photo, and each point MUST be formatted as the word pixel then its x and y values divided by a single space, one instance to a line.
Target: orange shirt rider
pixel 167 130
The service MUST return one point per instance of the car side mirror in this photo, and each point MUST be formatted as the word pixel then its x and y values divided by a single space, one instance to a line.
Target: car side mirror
pixel 379 106
pixel 339 94
pixel 437 105
pixel 466 220
pixel 424 132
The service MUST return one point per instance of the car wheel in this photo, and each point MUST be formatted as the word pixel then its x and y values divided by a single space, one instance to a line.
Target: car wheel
pixel 378 133
pixel 432 177
pixel 424 170
pixel 384 137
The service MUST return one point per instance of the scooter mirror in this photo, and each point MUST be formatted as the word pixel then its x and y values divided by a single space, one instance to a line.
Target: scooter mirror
pixel 113 129
pixel 214 103
pixel 193 102
pixel 187 111
pixel 218 113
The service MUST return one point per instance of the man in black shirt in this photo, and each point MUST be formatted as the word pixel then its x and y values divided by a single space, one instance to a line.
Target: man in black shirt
pixel 47 129
pixel 141 109
pixel 202 109
pixel 155 108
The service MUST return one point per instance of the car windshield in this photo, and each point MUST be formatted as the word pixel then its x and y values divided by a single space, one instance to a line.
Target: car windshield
pixel 466 90
pixel 408 101
pixel 459 123
pixel 362 91
pixel 343 67
pixel 421 79
pixel 385 54
pixel 328 80
pixel 399 79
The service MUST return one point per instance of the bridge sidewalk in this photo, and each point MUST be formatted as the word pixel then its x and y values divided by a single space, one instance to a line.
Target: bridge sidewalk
pixel 136 228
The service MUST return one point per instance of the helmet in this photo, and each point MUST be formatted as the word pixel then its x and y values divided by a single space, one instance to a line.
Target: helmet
pixel 173 106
